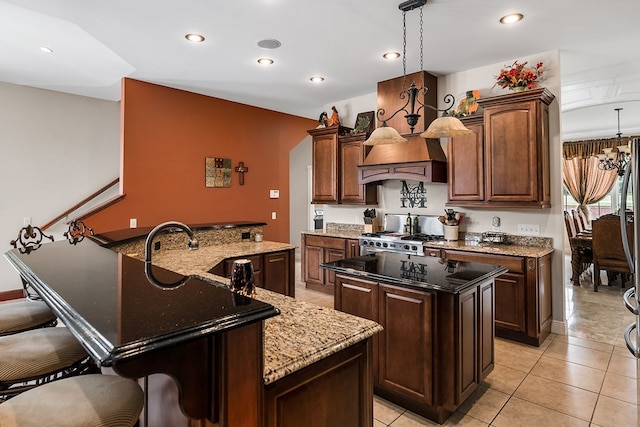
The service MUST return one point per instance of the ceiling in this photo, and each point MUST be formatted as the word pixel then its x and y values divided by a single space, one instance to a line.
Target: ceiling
pixel 96 43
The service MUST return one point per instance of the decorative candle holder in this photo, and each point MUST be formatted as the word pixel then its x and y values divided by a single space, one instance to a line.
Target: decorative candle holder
pixel 242 280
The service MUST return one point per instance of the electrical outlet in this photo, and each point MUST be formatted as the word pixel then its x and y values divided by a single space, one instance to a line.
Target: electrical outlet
pixel 133 223
pixel 246 235
pixel 529 229
pixel 156 246
pixel 273 215
pixel 274 194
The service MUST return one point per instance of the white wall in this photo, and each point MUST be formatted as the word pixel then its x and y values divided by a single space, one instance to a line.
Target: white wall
pixel 56 150
pixel 299 209
pixel 479 220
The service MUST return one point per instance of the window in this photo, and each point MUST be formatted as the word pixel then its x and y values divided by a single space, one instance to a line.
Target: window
pixel 609 204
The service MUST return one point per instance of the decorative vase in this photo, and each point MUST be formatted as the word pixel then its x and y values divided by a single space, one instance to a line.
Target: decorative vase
pixel 242 278
pixel 518 88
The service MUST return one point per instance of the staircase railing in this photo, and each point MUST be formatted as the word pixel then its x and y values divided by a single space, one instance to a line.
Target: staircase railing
pixel 86 200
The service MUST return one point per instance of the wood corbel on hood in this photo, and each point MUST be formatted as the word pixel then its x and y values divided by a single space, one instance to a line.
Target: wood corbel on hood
pixel 418 159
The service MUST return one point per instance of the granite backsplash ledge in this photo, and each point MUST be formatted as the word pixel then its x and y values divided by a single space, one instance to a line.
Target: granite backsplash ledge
pixel 512 239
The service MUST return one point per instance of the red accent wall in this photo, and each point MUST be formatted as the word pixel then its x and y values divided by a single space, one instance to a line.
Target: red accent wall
pixel 166 136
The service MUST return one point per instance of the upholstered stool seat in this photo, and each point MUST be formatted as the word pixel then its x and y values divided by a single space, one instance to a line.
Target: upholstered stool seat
pixel 84 401
pixel 22 315
pixel 39 355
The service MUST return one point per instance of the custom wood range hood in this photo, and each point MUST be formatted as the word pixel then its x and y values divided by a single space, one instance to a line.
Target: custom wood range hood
pixel 418 159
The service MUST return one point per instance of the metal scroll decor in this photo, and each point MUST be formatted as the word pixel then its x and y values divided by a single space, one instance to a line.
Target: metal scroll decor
pixel 77 232
pixel 413 196
pixel 29 239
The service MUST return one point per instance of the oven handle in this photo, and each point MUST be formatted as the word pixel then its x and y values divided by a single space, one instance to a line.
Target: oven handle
pixel 627 339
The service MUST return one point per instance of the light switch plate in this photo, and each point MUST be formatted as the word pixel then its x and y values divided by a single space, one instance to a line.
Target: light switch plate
pixel 133 223
pixel 274 194
pixel 273 215
pixel 529 229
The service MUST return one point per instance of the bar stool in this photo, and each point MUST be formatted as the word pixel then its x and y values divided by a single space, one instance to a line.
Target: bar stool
pixel 22 315
pixel 34 357
pixel 85 401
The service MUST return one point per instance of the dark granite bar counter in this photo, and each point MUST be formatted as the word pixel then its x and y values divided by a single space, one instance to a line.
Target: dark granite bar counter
pixel 417 272
pixel 110 305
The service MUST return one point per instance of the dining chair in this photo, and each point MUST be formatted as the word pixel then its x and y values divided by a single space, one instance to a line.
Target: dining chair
pixel 95 400
pixel 608 253
pixel 577 221
pixel 23 314
pixel 581 255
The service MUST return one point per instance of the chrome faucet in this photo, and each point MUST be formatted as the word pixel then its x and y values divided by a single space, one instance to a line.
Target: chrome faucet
pixel 193 242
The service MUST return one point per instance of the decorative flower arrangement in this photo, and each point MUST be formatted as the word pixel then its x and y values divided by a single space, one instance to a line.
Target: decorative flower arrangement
pixel 519 75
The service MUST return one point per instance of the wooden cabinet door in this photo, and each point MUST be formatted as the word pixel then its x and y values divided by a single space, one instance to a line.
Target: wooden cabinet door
pixel 468 341
pixel 406 341
pixel 357 296
pixel 511 302
pixel 352 154
pixel 487 330
pixel 276 272
pixel 466 165
pixel 314 256
pixel 325 168
pixel 511 153
pixel 331 255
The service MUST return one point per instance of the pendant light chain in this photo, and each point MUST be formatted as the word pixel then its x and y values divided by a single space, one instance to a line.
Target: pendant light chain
pixel 421 64
pixel 404 50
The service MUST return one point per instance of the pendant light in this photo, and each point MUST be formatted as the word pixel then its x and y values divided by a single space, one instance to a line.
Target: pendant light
pixel 443 127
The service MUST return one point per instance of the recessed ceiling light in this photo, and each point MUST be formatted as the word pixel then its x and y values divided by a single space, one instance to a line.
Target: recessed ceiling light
pixel 391 55
pixel 511 18
pixel 46 49
pixel 317 79
pixel 269 44
pixel 193 37
pixel 265 61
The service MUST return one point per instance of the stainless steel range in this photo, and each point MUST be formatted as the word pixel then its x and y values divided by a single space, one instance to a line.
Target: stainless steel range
pixel 403 236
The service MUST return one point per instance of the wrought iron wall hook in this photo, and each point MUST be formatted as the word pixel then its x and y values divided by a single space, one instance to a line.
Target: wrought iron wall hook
pixel 77 232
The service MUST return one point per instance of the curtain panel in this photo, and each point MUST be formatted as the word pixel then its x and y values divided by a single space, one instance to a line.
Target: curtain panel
pixel 581 176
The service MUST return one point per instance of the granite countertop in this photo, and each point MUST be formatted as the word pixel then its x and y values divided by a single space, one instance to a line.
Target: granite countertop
pixel 491 248
pixel 301 335
pixel 188 262
pixel 345 234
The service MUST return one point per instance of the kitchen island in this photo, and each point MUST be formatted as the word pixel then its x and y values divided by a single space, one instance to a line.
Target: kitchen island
pixel 233 366
pixel 438 318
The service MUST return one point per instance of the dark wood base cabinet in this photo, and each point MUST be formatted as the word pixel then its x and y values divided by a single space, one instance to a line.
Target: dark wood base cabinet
pixel 522 295
pixel 318 250
pixel 336 391
pixel 436 347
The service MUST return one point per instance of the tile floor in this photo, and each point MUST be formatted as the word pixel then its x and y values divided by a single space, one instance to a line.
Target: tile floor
pixel 587 378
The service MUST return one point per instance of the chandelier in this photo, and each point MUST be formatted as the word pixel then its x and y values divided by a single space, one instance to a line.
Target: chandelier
pixel 442 127
pixel 617 158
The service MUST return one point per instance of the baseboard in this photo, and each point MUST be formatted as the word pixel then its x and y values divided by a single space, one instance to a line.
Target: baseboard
pixel 13 294
pixel 559 328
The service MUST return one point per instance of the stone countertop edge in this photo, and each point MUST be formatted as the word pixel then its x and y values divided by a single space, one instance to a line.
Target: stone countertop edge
pixel 301 335
pixel 491 248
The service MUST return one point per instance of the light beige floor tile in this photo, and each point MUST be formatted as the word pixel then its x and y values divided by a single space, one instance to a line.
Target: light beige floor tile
pixel 386 411
pixel 484 404
pixel 520 413
pixel 521 360
pixel 615 413
pixel 620 387
pixel 560 397
pixel 461 420
pixel 622 365
pixel 502 343
pixel 377 423
pixel 622 351
pixel 569 373
pixel 580 355
pixel 409 419
pixel 585 343
pixel 505 379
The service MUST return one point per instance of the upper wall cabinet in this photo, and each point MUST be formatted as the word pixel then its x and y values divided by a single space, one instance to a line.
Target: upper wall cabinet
pixel 506 164
pixel 335 160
